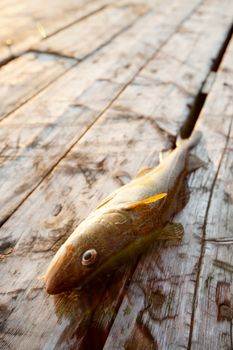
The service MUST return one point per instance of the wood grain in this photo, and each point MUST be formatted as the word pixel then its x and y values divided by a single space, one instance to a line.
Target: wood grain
pixel 77 39
pixel 181 296
pixel 27 75
pixel 46 127
pixel 26 22
pixel 179 74
pixel 24 77
pixel 212 317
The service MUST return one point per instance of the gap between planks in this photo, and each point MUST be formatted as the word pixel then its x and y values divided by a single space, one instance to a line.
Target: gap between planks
pixel 188 126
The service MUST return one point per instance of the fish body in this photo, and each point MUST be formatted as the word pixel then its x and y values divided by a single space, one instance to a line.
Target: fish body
pixel 134 214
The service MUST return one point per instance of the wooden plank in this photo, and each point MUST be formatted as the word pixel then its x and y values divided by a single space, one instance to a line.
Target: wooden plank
pixel 183 67
pixel 76 40
pixel 21 79
pixel 181 296
pixel 24 77
pixel 27 22
pixel 58 116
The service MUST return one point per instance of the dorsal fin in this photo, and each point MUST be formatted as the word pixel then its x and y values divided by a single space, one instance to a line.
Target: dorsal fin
pixel 148 200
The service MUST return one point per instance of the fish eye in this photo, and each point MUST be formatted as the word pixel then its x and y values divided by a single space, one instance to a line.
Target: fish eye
pixel 89 257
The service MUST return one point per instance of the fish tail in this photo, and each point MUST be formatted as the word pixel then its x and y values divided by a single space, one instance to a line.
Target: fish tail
pixel 190 142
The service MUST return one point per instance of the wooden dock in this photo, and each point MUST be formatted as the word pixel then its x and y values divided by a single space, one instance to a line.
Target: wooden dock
pixel 91 91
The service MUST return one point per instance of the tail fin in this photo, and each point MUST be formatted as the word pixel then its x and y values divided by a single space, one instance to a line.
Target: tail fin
pixel 192 141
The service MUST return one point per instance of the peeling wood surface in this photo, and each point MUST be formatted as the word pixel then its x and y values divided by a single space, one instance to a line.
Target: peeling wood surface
pixel 82 129
pixel 26 22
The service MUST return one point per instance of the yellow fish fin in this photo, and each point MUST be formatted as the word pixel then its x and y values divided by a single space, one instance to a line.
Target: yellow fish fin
pixel 143 171
pixel 170 231
pixel 105 201
pixel 149 200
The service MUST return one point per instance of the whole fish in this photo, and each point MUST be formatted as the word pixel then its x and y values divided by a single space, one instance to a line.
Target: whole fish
pixel 130 218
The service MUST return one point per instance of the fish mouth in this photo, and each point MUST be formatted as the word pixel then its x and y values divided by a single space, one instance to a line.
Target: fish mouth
pixel 55 286
pixel 59 280
pixel 61 276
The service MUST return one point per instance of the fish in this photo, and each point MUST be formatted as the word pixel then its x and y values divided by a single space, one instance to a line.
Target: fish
pixel 128 220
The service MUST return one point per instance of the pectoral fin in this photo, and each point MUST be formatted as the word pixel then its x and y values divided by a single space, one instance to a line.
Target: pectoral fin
pixel 170 231
pixel 143 171
pixel 148 200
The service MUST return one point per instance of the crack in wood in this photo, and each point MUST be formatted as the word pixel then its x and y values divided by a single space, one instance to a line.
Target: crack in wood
pixel 220 240
pixel 52 53
pixel 196 107
pixel 217 61
pixel 223 265
pixel 76 21
pixel 121 31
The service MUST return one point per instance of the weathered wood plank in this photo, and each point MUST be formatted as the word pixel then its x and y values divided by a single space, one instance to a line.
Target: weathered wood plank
pixel 183 67
pixel 189 285
pixel 47 126
pixel 76 40
pixel 25 23
pixel 24 77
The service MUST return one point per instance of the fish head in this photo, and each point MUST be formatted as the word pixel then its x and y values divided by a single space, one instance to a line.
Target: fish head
pixel 88 251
